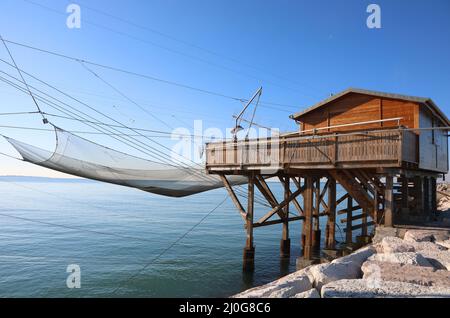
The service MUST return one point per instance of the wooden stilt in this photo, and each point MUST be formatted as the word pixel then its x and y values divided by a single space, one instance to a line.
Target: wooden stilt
pixel 433 195
pixel 249 250
pixel 426 196
pixel 234 197
pixel 316 220
pixel 389 202
pixel 419 197
pixel 348 233
pixel 285 244
pixel 308 223
pixel 365 213
pixel 331 223
pixel 405 194
pixel 376 207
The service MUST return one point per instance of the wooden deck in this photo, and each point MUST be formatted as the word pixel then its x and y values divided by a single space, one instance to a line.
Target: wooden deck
pixel 378 148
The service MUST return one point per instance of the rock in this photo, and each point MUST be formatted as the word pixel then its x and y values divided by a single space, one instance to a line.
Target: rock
pixel 358 257
pixel 438 258
pixel 391 244
pixel 413 236
pixel 312 293
pixel 382 232
pixel 410 258
pixel 444 243
pixel 325 273
pixel 425 276
pixel 427 246
pixel 287 286
pixel 362 288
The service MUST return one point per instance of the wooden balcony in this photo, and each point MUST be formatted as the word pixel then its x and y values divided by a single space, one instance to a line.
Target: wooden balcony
pixel 368 149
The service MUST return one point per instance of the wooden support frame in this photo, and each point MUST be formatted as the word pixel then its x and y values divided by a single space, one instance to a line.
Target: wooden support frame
pixel 358 226
pixel 250 212
pixel 234 197
pixel 308 223
pixel 330 239
pixel 280 206
pixel 294 201
pixel 389 202
pixel 285 243
pixel 349 234
pixel 316 217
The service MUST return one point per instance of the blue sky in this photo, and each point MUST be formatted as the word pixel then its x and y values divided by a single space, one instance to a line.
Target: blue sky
pixel 299 51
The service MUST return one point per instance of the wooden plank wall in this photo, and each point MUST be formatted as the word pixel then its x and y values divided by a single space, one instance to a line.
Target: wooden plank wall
pixel 355 107
pixel 433 149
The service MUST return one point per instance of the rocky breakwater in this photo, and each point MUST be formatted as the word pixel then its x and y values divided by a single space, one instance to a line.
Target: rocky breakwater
pixel 414 265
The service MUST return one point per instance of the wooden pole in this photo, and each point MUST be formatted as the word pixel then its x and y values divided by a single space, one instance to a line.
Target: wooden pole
pixel 316 220
pixel 405 194
pixel 433 195
pixel 426 196
pixel 389 202
pixel 349 234
pixel 308 223
pixel 365 213
pixel 249 250
pixel 419 197
pixel 376 207
pixel 331 223
pixel 285 244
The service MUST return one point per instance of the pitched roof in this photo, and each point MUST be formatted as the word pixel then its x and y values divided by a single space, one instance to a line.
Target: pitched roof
pixel 421 100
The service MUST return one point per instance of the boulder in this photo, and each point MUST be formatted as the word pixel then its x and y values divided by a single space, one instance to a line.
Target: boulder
pixel 381 232
pixel 440 259
pixel 358 257
pixel 410 258
pixel 444 243
pixel 362 288
pixel 325 273
pixel 392 244
pixel 424 276
pixel 312 293
pixel 287 286
pixel 427 246
pixel 418 236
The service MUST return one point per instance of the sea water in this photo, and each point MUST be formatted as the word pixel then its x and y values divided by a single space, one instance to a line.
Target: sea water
pixel 128 243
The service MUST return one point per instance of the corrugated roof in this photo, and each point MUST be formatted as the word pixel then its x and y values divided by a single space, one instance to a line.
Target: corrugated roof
pixel 422 100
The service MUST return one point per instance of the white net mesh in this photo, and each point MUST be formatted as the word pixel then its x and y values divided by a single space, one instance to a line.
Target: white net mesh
pixel 80 157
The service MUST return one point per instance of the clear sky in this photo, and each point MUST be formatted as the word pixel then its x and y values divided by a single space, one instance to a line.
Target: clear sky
pixel 299 51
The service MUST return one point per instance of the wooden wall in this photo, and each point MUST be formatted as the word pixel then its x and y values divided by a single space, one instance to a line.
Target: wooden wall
pixel 354 108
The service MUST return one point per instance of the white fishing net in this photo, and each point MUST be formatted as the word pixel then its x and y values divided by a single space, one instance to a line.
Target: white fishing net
pixel 80 157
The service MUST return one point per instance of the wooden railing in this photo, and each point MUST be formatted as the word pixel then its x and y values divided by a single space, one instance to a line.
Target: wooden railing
pixel 394 146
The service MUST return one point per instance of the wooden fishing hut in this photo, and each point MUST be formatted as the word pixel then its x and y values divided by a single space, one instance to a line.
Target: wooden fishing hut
pixel 385 150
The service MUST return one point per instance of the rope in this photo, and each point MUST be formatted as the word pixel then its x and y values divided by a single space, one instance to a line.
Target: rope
pixel 125 96
pixel 18 113
pixel 12 157
pixel 23 79
pixel 153 78
pixel 253 115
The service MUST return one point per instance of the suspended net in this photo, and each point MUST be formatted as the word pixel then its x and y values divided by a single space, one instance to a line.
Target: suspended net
pixel 80 157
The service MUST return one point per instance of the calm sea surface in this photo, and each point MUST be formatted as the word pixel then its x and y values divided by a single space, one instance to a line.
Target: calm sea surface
pixel 114 234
